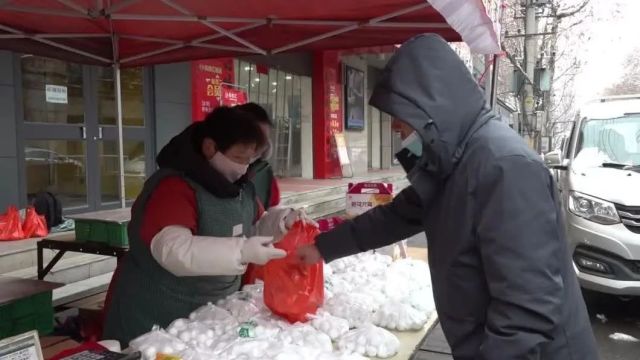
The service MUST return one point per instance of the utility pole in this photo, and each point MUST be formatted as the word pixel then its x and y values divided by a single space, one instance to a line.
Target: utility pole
pixel 530 54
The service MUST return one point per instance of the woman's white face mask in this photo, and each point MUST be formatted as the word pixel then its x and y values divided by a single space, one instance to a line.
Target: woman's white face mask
pixel 227 167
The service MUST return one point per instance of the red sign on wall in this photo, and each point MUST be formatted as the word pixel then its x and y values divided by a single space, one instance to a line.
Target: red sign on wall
pixel 207 79
pixel 233 97
pixel 328 118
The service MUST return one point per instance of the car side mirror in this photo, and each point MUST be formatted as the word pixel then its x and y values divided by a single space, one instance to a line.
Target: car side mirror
pixel 554 160
pixel 564 165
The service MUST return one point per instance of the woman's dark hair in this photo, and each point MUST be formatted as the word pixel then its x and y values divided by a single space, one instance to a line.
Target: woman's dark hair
pixel 228 126
pixel 256 110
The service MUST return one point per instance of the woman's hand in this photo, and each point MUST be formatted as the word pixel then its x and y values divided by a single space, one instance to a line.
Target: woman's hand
pixel 258 250
pixel 298 215
pixel 308 254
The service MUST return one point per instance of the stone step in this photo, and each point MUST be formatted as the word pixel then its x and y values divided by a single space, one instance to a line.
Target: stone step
pixel 17 255
pixel 81 289
pixel 71 269
pixel 300 197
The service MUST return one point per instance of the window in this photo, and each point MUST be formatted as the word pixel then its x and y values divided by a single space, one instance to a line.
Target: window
pixel 57 166
pixel 52 91
pixel 132 97
pixel 280 94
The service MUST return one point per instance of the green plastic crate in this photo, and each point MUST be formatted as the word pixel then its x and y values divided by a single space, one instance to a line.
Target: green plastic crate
pixel 83 230
pixel 111 233
pixel 5 329
pixel 43 323
pixel 118 235
pixel 28 306
pixel 32 313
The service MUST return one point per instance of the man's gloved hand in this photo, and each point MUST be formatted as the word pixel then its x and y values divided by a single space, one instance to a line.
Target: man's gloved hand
pixel 298 215
pixel 258 250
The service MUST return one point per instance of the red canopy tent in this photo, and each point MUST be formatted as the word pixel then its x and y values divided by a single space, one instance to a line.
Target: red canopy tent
pixel 127 33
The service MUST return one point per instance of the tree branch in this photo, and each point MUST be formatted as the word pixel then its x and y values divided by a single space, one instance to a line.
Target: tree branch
pixel 569 13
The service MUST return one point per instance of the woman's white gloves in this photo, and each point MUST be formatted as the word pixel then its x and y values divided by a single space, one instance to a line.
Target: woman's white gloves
pixel 278 220
pixel 258 250
pixel 298 215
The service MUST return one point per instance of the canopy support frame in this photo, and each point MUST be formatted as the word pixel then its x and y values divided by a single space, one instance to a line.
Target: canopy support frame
pixel 195 42
pixel 215 27
pixel 119 118
pixel 111 14
pixel 352 27
pixel 54 44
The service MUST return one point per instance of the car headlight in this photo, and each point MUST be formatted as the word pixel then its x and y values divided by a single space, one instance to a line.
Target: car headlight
pixel 590 208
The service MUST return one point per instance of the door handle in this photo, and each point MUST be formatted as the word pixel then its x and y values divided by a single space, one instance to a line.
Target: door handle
pixel 100 133
pixel 83 132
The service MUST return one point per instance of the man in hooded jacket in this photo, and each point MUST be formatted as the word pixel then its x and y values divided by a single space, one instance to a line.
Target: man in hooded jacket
pixel 503 281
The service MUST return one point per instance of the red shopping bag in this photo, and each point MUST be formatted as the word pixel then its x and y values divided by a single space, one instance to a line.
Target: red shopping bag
pixel 11 225
pixel 291 289
pixel 254 272
pixel 34 225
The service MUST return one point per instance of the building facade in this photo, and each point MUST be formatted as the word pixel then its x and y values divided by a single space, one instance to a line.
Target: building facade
pixel 58 129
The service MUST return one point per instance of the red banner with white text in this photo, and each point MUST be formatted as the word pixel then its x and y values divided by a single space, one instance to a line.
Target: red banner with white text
pixel 207 83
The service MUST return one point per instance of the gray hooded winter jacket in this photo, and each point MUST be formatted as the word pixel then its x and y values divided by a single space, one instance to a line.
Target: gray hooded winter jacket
pixel 502 277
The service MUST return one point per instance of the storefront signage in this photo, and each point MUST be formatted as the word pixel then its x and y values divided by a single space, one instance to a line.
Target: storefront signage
pixel 233 97
pixel 334 109
pixel 207 80
pixel 341 146
pixel 327 115
pixel 354 102
pixel 56 94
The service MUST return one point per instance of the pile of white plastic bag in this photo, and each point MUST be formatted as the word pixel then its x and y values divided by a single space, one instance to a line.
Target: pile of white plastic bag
pixel 366 295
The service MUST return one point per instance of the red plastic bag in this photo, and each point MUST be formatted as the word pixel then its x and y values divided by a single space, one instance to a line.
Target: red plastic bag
pixel 291 289
pixel 34 225
pixel 254 272
pixel 11 225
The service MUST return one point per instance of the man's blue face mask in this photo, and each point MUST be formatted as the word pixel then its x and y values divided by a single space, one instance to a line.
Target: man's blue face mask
pixel 413 143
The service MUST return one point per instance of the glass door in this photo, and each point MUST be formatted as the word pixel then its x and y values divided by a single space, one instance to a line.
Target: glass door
pixel 55 130
pixel 134 134
pixel 70 135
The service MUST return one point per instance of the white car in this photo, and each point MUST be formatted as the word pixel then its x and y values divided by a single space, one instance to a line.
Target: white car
pixel 598 176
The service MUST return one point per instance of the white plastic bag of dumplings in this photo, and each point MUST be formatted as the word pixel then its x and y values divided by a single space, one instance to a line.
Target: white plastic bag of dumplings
pixel 370 340
pixel 157 341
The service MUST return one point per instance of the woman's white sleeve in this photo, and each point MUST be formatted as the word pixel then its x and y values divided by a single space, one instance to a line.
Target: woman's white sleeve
pixel 181 253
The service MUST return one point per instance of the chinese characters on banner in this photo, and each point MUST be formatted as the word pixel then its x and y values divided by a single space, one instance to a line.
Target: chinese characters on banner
pixel 233 97
pixel 335 124
pixel 207 80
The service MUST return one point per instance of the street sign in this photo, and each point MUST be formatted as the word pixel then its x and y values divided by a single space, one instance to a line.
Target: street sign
pixel 545 144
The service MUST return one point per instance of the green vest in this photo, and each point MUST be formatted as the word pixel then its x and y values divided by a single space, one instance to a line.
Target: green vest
pixel 145 294
pixel 262 177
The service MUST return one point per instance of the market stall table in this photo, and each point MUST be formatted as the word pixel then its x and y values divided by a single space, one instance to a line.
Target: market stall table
pixel 25 304
pixel 411 340
pixel 67 242
pixel 108 239
pixel 16 288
